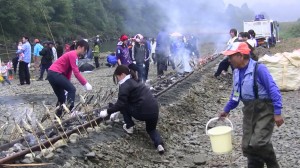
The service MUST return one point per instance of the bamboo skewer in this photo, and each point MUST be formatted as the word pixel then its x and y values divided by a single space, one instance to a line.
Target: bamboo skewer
pixel 48 114
pixel 26 165
pixel 43 130
pixel 30 129
pixel 59 122
pixel 22 133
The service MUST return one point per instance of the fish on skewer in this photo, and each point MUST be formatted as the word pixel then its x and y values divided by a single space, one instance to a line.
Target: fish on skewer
pixel 3 127
pixel 44 131
pixel 27 127
pixel 53 123
pixel 83 104
pixel 60 123
pixel 22 134
pixel 47 114
pixel 75 113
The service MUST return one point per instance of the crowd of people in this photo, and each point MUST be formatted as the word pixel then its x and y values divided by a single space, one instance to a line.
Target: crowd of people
pixel 253 85
pixel 248 38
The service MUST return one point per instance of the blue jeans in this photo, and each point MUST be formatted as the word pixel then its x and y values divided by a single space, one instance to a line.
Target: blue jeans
pixel 59 84
pixel 141 72
pixel 44 67
pixel 5 79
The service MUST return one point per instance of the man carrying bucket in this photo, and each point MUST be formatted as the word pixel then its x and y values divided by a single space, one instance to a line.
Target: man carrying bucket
pixel 255 87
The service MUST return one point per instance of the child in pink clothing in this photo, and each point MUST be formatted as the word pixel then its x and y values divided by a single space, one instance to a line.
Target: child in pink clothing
pixel 10 69
pixel 21 55
pixel 3 70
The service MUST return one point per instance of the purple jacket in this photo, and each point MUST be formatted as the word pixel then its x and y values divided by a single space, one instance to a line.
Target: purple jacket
pixel 243 84
pixel 122 53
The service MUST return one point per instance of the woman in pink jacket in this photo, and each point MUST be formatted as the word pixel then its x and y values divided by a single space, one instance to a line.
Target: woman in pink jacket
pixel 59 75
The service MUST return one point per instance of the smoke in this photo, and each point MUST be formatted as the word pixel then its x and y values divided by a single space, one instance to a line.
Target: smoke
pixel 202 18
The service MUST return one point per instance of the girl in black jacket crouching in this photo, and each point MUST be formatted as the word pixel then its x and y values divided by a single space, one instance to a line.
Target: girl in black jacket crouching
pixel 135 100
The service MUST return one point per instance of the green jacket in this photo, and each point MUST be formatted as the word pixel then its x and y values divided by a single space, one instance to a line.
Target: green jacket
pixel 96 51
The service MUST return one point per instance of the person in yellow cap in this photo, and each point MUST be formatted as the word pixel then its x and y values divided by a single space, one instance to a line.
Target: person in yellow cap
pixel 255 87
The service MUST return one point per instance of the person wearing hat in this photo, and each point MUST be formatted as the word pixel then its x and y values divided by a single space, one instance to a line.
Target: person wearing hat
pixel 60 72
pixel 255 87
pixel 122 53
pixel 36 54
pixel 135 100
pixel 140 51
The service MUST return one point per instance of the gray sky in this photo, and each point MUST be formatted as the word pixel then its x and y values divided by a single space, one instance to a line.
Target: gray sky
pixel 280 10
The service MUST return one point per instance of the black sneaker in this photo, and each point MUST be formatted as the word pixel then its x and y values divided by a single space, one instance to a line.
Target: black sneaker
pixel 40 79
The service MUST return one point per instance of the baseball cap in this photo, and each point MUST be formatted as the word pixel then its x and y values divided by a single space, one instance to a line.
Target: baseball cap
pixel 138 38
pixel 123 37
pixel 237 47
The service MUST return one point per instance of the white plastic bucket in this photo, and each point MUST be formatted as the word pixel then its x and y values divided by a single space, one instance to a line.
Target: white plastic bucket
pixel 220 137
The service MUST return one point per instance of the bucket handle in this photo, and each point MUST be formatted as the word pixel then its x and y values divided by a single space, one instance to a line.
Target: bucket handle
pixel 217 118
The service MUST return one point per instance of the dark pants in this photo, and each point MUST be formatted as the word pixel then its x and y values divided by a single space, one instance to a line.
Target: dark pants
pixel 44 67
pixel 162 63
pixel 133 67
pixel 151 122
pixel 59 84
pixel 258 124
pixel 96 61
pixel 141 72
pixel 223 66
pixel 15 65
pixel 24 74
pixel 147 64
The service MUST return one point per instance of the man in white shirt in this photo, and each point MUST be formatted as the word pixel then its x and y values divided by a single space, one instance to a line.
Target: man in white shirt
pixel 53 51
pixel 153 46
pixel 224 65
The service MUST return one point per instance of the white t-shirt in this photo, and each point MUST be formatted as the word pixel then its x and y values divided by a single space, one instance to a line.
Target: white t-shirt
pixel 231 41
pixel 54 53
pixel 252 42
pixel 153 46
pixel 3 70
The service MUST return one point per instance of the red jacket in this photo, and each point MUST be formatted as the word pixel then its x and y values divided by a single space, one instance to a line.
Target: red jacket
pixel 66 64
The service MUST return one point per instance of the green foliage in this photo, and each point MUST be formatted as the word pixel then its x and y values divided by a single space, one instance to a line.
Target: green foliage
pixel 289 29
pixel 70 19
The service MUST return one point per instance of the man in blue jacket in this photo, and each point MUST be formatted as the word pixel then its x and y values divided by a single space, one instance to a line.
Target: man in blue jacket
pixel 162 51
pixel 255 87
pixel 24 74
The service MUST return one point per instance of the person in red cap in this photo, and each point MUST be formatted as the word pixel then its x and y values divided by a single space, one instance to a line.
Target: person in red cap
pixel 122 53
pixel 255 87
pixel 36 53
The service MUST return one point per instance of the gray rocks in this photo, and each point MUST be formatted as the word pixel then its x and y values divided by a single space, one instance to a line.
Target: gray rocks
pixel 73 138
pixel 90 155
pixel 60 143
pixel 199 159
pixel 49 156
